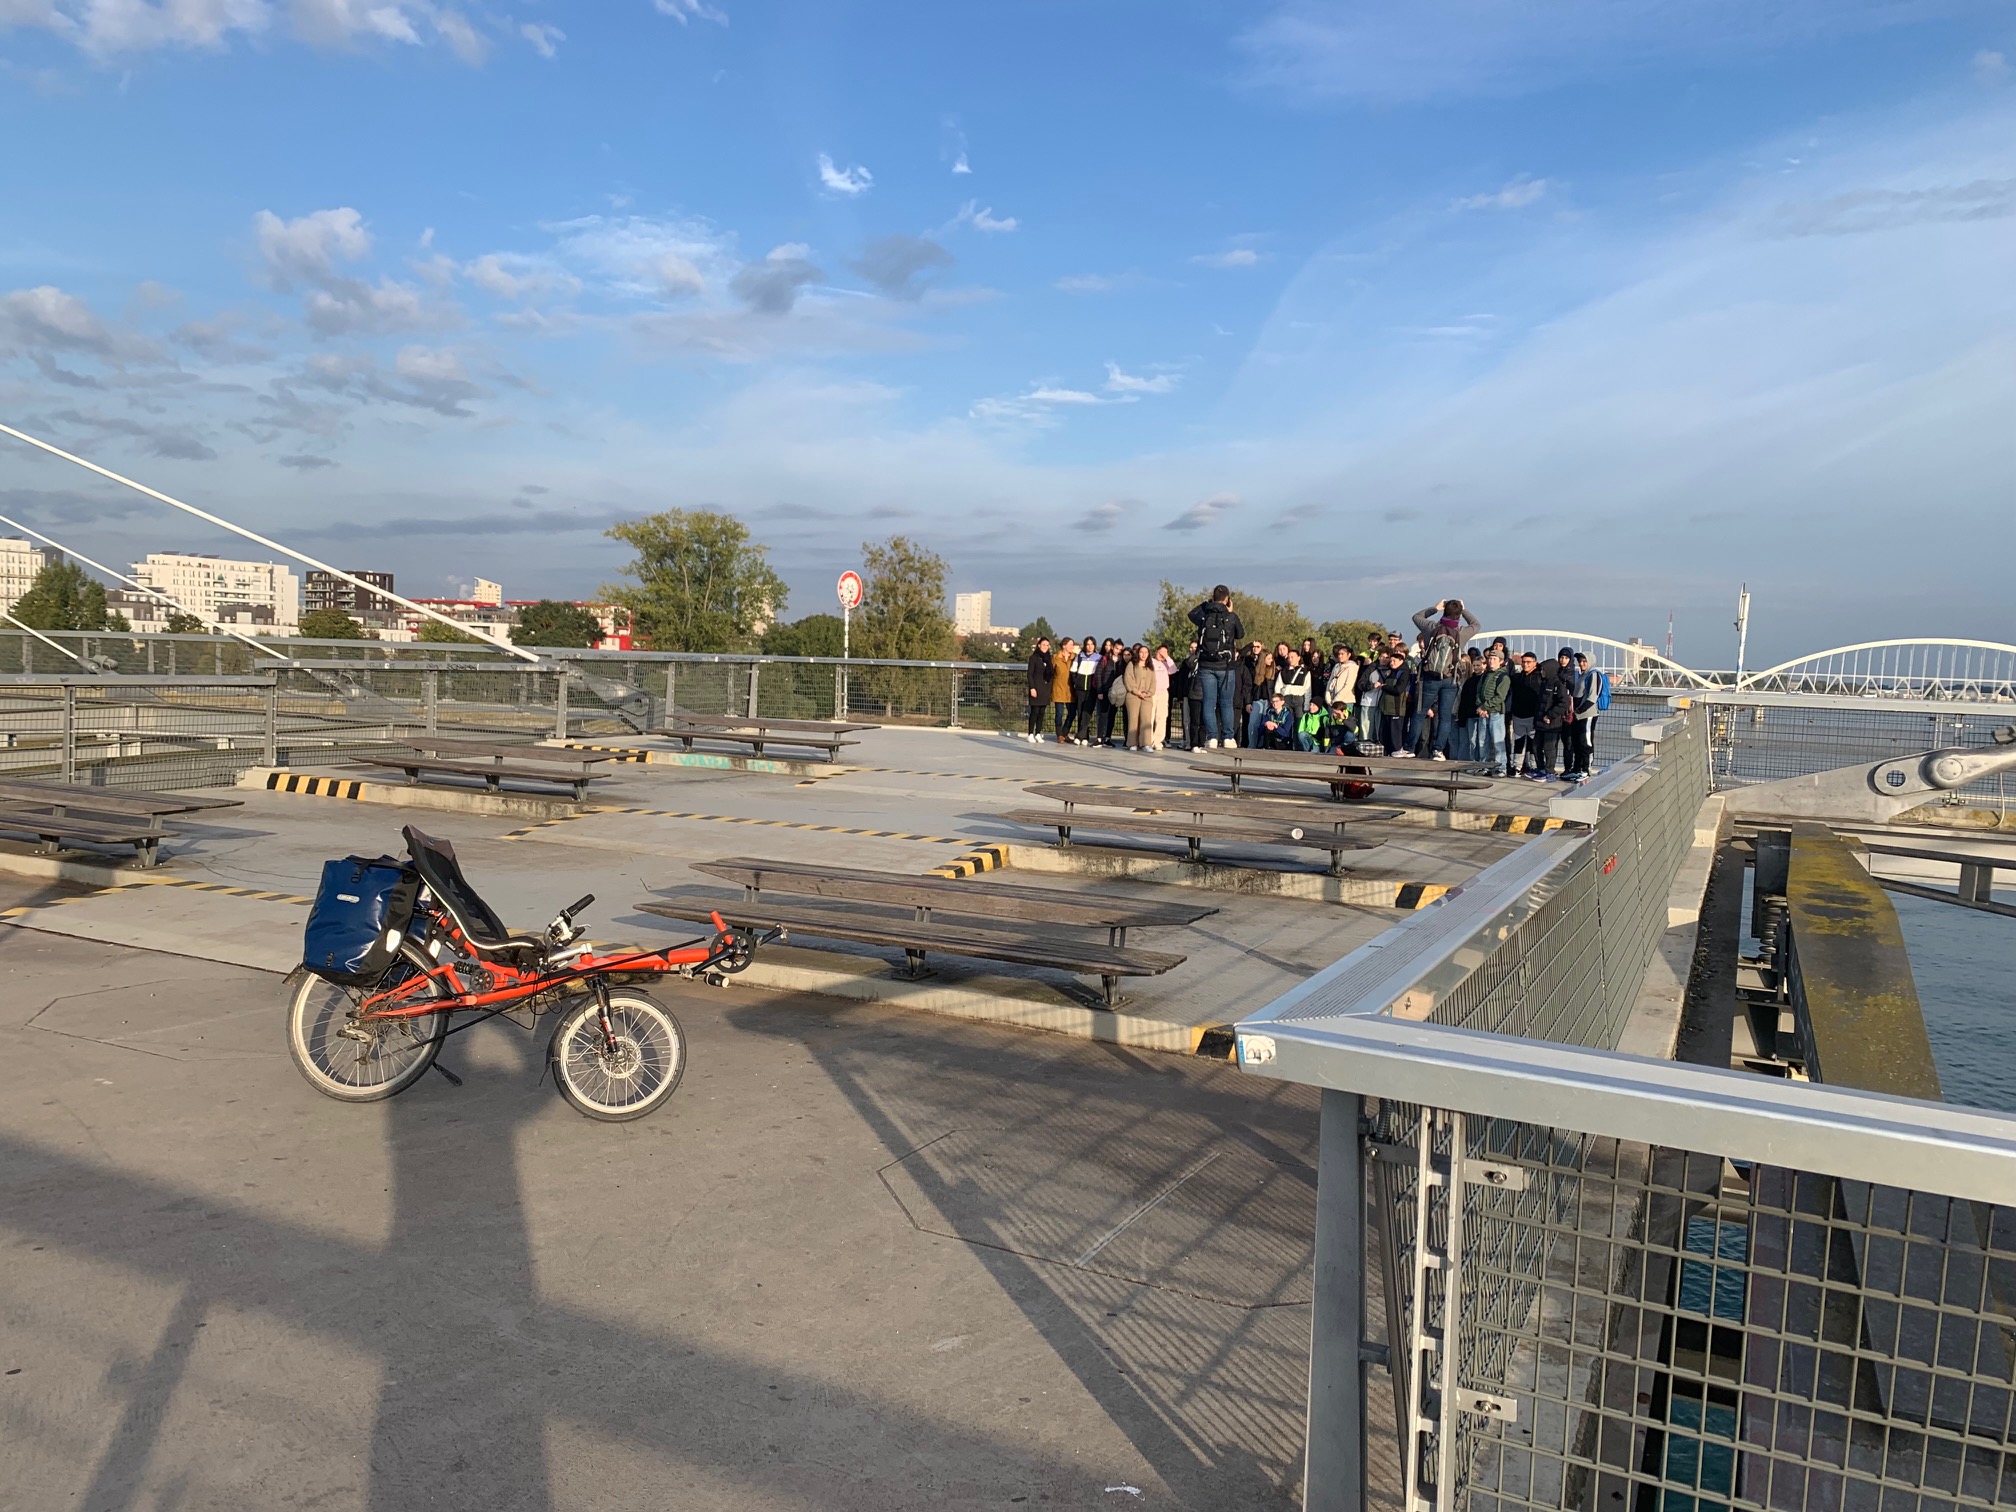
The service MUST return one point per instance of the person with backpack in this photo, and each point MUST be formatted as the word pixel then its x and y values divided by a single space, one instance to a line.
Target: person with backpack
pixel 1039 689
pixel 1557 714
pixel 1218 635
pixel 1592 697
pixel 1445 628
pixel 1191 681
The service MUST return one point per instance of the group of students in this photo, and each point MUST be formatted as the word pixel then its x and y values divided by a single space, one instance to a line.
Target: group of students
pixel 1436 698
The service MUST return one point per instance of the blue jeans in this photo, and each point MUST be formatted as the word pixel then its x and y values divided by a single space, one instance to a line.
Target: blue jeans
pixel 1256 717
pixel 1440 697
pixel 1487 740
pixel 1218 684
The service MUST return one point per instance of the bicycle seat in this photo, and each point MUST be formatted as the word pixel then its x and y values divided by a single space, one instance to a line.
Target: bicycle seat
pixel 442 874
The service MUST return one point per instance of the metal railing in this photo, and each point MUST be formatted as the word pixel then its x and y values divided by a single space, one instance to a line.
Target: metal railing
pixel 1616 1282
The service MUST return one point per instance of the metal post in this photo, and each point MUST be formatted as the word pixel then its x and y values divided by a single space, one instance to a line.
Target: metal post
pixel 955 698
pixel 69 733
pixel 1333 1476
pixel 150 656
pixel 220 658
pixel 671 688
pixel 430 683
pixel 560 706
pixel 840 691
pixel 754 667
pixel 272 752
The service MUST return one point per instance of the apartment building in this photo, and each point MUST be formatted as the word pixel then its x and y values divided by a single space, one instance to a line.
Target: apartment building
pixel 219 589
pixel 19 562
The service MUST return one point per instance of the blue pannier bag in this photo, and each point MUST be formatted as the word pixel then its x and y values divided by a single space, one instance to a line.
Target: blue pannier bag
pixel 362 910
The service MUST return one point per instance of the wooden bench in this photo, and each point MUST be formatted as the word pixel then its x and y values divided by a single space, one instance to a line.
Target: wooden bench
pixel 979 939
pixel 1195 832
pixel 1291 811
pixel 123 803
pixel 929 895
pixel 52 829
pixel 519 763
pixel 1337 771
pixel 758 733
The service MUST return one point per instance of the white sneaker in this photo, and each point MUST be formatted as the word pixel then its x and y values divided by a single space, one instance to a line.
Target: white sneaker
pixel 1440 757
pixel 1404 755
pixel 1210 745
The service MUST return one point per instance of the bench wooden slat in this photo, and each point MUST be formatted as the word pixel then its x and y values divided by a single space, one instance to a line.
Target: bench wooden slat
pixel 520 751
pixel 1198 832
pixel 1080 957
pixel 110 800
pixel 736 722
pixel 1237 805
pixel 951 895
pixel 1339 779
pixel 756 739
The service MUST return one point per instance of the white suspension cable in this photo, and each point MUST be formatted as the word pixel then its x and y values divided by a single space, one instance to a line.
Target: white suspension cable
pixel 269 544
pixel 48 642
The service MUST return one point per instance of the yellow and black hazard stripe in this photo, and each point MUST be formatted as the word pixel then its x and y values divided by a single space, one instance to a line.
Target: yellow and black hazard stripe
pixel 1217 1041
pixel 229 891
pixel 792 824
pixel 987 858
pixel 1525 824
pixel 80 897
pixel 617 754
pixel 314 787
pixel 1408 896
pixel 532 829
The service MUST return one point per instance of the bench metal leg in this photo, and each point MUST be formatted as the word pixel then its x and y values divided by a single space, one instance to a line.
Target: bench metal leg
pixel 914 969
pixel 1109 991
pixel 1336 863
pixel 149 853
pixel 1196 849
pixel 1063 837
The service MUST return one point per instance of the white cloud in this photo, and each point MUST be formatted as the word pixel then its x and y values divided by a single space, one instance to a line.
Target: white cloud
pixel 849 181
pixel 1990 67
pixel 1122 382
pixel 1236 257
pixel 772 286
pixel 684 11
pixel 462 38
pixel 107 29
pixel 1204 512
pixel 545 39
pixel 305 253
pixel 1085 283
pixel 960 165
pixel 516 277
pixel 1516 194
pixel 980 218
pixel 677 276
pixel 39 321
pixel 1103 517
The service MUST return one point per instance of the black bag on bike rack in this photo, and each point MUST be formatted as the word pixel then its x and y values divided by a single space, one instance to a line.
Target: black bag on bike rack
pixel 361 913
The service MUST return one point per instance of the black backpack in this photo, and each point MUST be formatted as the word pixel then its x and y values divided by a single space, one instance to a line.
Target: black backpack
pixel 1214 636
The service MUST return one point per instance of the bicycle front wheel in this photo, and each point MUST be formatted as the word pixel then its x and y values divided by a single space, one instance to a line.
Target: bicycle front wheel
pixel 626 1073
pixel 368 1061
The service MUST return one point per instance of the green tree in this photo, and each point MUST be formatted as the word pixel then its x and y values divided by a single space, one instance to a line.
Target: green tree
pixel 1354 633
pixel 435 633
pixel 62 597
pixel 180 623
pixel 814 635
pixel 1037 629
pixel 552 622
pixel 701 583
pixel 332 624
pixel 1265 620
pixel 902 614
pixel 902 617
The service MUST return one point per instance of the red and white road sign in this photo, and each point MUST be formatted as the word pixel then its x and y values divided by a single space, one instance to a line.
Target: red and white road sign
pixel 850 590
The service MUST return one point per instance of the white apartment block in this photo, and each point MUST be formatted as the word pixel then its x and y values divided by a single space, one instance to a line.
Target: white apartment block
pixel 217 588
pixel 19 562
pixel 973 614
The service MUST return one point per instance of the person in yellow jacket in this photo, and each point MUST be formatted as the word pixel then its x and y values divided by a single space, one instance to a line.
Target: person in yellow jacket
pixel 1060 688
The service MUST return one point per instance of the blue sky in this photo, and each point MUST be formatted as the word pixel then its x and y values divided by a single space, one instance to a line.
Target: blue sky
pixel 1584 309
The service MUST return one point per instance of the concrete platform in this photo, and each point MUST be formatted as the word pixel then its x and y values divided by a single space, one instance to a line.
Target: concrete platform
pixel 234 889
pixel 863 1260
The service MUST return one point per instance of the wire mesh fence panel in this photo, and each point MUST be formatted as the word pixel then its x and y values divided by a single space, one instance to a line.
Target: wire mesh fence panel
pixel 1672 1330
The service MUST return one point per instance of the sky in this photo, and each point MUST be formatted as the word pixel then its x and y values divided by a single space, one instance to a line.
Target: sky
pixel 1587 311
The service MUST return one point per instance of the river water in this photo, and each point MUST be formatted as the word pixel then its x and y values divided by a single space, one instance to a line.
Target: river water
pixel 1965 965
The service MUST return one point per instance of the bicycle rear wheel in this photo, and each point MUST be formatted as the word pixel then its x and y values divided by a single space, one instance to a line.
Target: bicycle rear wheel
pixel 369 1061
pixel 632 1078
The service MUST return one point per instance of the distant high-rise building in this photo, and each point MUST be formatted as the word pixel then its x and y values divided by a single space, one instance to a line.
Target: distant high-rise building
pixel 972 613
pixel 325 590
pixel 487 592
pixel 217 588
pixel 19 563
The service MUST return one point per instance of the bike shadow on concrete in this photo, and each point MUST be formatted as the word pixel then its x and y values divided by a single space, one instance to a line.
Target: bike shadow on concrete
pixel 563 1314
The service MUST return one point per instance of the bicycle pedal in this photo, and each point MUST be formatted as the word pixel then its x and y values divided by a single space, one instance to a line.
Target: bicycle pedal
pixel 453 1079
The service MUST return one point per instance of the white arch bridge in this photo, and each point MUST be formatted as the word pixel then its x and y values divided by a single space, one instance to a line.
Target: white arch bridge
pixel 1931 669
